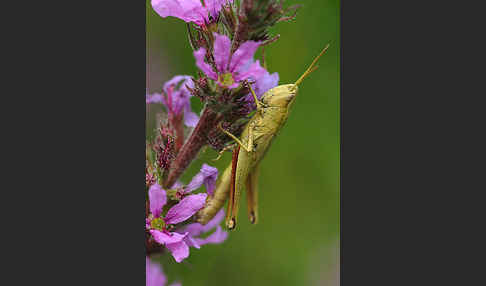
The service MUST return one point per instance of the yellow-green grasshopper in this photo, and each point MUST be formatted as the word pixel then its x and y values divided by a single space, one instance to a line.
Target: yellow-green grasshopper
pixel 271 114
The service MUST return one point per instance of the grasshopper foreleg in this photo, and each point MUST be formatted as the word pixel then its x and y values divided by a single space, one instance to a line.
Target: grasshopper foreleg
pixel 229 147
pixel 258 103
pixel 249 147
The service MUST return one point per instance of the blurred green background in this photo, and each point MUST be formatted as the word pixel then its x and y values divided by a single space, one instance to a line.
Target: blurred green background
pixel 297 239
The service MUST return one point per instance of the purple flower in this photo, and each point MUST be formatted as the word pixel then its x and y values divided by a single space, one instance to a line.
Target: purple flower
pixel 157 225
pixel 154 275
pixel 179 241
pixel 189 10
pixel 207 176
pixel 231 69
pixel 177 100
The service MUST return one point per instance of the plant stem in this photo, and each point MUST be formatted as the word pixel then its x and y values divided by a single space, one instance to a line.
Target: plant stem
pixel 177 124
pixel 198 138
pixel 151 246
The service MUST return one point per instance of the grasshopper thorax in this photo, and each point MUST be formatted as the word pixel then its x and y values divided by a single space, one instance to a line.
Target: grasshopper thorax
pixel 280 96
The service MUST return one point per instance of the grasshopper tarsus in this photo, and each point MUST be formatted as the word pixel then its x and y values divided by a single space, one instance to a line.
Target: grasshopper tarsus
pixel 231 224
pixel 220 154
pixel 252 218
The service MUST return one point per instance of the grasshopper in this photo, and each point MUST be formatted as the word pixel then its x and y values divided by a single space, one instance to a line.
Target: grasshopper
pixel 271 114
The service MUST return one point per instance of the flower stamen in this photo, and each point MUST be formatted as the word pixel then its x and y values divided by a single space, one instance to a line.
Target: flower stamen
pixel 226 79
pixel 157 223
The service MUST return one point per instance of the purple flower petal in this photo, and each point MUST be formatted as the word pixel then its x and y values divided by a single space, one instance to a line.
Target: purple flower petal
pixel 195 229
pixel 179 250
pixel 176 80
pixel 210 176
pixel 243 54
pixel 157 198
pixel 177 184
pixel 178 96
pixel 176 284
pixel 190 241
pixel 186 208
pixel 186 10
pixel 153 98
pixel 262 85
pixel 154 274
pixel 179 101
pixel 190 118
pixel 202 65
pixel 222 48
pixel 198 16
pixel 265 83
pixel 216 237
pixel 215 221
pixel 207 176
pixel 214 6
pixel 254 71
pixel 167 238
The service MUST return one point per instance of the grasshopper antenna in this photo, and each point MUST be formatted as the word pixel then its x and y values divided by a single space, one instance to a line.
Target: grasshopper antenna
pixel 311 68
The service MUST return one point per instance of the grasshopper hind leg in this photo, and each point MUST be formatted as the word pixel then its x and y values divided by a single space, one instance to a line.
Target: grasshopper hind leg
pixel 232 205
pixel 252 194
pixel 243 173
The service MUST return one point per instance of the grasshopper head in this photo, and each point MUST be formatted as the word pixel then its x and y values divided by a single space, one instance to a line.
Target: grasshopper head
pixel 282 95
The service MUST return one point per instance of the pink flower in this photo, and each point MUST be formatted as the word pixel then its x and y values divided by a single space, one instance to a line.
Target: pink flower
pixel 207 176
pixel 231 68
pixel 177 99
pixel 157 225
pixel 179 241
pixel 189 10
pixel 154 275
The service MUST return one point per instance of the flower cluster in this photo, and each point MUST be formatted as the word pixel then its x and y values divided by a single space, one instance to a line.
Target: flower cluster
pixel 176 99
pixel 165 228
pixel 225 36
